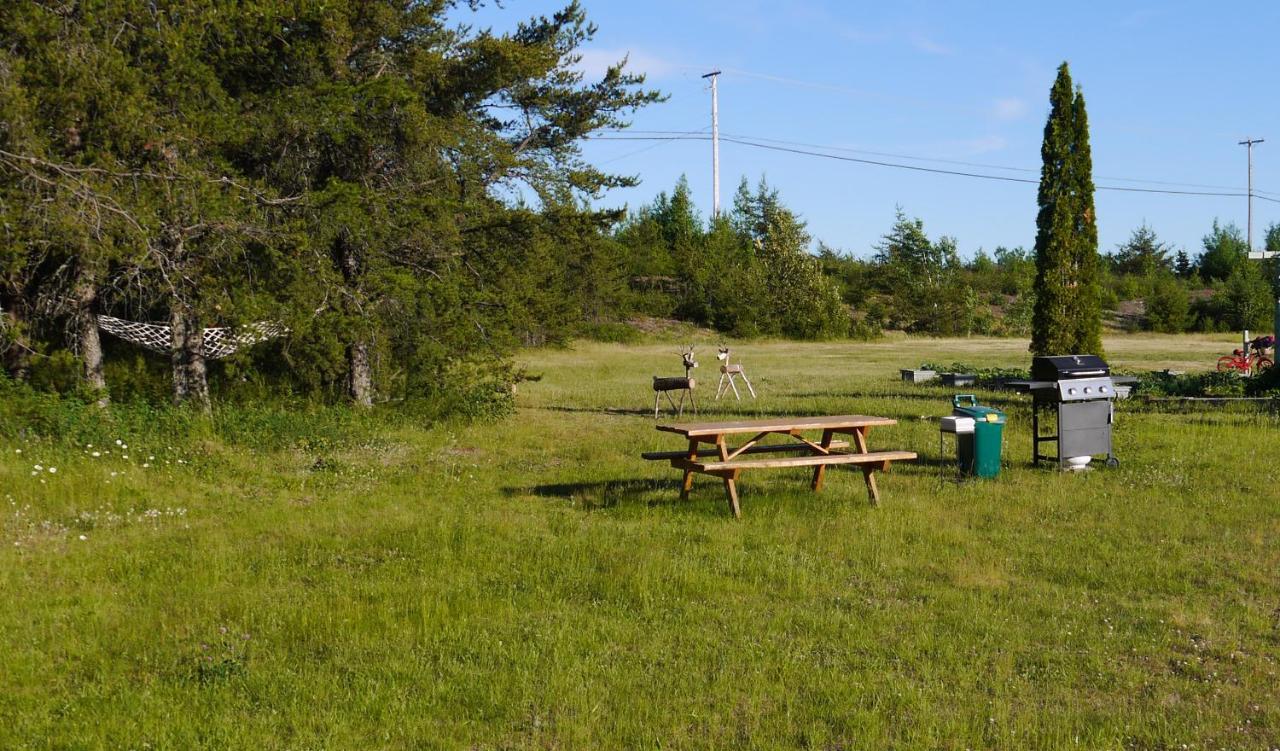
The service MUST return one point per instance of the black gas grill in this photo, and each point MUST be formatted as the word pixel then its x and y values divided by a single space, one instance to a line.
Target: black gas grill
pixel 1078 390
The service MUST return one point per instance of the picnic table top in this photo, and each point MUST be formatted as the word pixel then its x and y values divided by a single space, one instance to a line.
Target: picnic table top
pixel 775 424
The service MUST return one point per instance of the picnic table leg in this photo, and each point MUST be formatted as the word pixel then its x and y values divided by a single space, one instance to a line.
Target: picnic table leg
pixel 821 470
pixel 687 483
pixel 730 479
pixel 868 472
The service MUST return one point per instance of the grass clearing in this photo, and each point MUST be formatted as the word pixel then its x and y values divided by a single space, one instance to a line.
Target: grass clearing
pixel 533 584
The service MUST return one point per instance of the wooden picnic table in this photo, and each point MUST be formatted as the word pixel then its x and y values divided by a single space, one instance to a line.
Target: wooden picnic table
pixel 728 461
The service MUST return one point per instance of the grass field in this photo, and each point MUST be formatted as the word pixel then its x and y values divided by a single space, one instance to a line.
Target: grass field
pixel 532 583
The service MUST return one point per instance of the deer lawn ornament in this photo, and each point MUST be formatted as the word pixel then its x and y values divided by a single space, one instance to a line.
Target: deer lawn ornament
pixel 663 385
pixel 728 373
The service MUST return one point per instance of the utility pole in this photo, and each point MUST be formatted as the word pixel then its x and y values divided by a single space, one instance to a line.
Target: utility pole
pixel 1261 255
pixel 1248 144
pixel 715 144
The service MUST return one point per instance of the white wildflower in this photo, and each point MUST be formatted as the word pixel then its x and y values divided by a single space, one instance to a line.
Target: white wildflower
pixel 38 468
pixel 84 537
pixel 119 442
pixel 53 470
pixel 125 457
pixel 96 454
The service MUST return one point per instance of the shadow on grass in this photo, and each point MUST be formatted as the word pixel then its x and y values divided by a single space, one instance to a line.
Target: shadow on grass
pixel 707 496
pixel 592 496
pixel 600 410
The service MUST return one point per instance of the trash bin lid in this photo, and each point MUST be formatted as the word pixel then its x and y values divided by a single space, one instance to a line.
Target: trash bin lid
pixel 980 414
pixel 956 424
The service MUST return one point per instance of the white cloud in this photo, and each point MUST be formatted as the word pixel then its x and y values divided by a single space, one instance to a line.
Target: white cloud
pixel 1009 108
pixel 927 44
pixel 984 145
pixel 596 61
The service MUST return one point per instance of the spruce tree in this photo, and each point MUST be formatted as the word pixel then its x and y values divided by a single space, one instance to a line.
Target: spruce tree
pixel 1068 310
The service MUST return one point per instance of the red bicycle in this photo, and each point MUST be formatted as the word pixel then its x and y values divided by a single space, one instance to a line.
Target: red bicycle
pixel 1250 362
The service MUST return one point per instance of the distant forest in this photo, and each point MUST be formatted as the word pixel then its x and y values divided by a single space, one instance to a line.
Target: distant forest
pixel 713 273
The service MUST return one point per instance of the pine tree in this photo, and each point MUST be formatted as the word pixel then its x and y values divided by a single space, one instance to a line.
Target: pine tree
pixel 1068 310
pixel 1142 254
pixel 1182 265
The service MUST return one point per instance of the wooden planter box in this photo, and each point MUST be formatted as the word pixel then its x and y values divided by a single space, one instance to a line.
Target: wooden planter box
pixel 918 376
pixel 958 379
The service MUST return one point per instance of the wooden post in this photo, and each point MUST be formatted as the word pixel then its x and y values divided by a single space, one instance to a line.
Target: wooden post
pixel 821 470
pixel 730 479
pixel 687 484
pixel 868 473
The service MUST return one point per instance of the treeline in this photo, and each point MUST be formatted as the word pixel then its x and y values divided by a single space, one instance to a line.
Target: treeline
pixel 751 272
pixel 360 174
pixel 1219 289
pixel 723 274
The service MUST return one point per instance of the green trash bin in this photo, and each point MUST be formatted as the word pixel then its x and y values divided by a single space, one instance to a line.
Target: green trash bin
pixel 979 451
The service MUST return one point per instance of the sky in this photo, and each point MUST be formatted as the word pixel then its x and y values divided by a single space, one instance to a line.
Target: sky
pixel 1171 88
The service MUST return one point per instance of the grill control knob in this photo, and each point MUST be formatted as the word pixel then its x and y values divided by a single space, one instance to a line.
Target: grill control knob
pixel 1102 389
pixel 1087 389
pixel 1071 391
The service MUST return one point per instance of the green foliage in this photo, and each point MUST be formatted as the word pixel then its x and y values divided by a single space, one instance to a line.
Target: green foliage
pixel 920 278
pixel 1204 384
pixel 1068 314
pixel 1182 265
pixel 747 274
pixel 1168 306
pixel 1142 254
pixel 348 170
pixel 1225 250
pixel 1246 298
pixel 987 376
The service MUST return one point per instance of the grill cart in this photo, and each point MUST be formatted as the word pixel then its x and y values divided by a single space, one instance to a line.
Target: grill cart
pixel 1078 390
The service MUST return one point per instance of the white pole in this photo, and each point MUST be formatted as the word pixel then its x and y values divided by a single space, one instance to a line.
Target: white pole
pixel 1248 144
pixel 715 144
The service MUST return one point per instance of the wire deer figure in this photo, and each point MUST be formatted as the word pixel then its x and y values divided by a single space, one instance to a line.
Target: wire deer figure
pixel 728 373
pixel 665 385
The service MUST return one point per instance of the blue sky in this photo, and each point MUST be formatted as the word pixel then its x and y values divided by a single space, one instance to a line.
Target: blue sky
pixel 1171 87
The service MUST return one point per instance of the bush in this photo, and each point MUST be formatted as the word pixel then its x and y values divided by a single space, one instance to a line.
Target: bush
pixel 1168 306
pixel 611 332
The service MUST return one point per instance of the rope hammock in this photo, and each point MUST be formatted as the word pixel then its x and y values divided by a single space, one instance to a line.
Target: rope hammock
pixel 218 342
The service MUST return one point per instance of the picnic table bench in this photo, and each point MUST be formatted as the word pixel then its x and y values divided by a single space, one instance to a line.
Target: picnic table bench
pixel 727 462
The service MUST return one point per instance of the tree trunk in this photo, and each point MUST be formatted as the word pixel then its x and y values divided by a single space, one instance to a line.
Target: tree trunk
pixel 359 374
pixel 190 384
pixel 15 354
pixel 88 341
pixel 360 377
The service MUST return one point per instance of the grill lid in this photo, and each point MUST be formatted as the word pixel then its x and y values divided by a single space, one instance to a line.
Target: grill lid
pixel 1065 367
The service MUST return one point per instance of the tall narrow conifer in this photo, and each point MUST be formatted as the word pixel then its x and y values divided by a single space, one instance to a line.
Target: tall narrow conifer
pixel 1068 310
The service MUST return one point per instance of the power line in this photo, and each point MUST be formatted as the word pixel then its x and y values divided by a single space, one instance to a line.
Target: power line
pixel 982 165
pixel 643 149
pixel 918 168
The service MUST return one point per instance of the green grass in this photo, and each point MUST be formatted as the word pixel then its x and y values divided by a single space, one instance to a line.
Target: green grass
pixel 321 581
